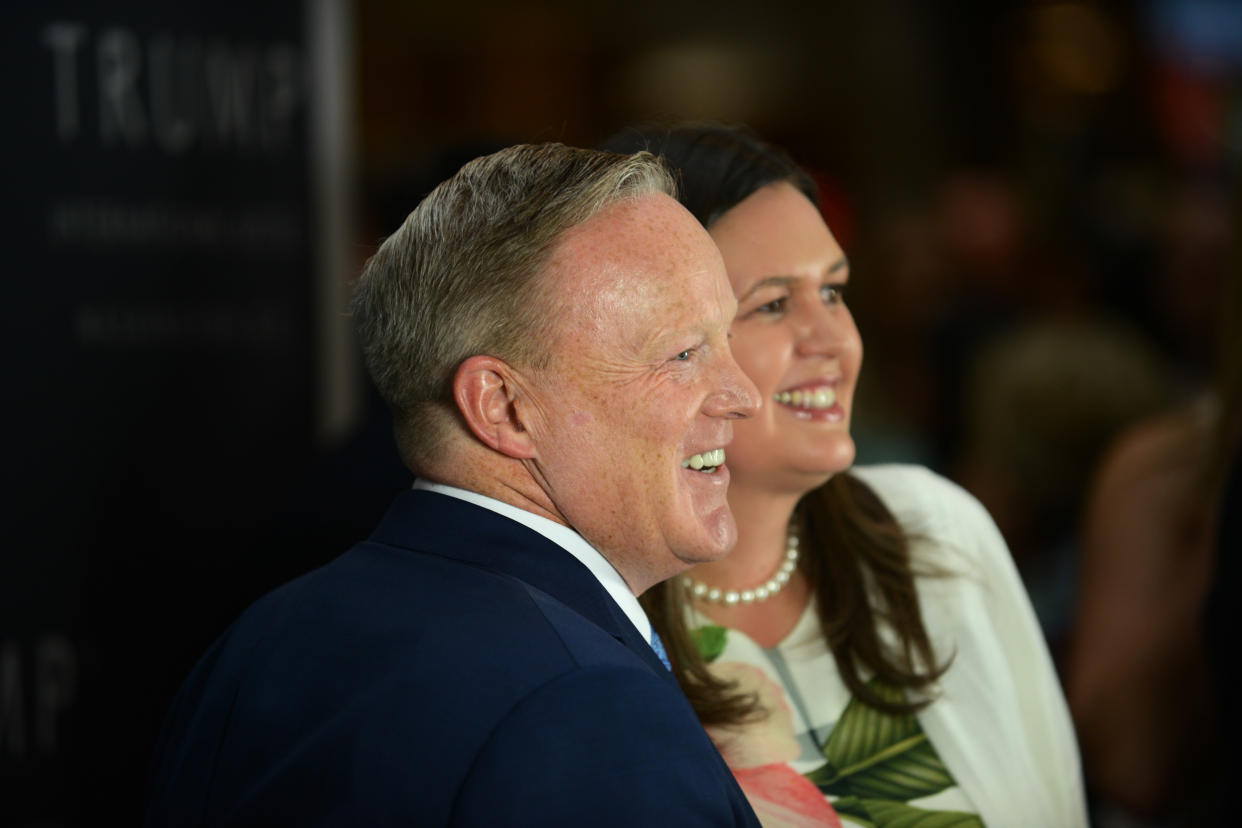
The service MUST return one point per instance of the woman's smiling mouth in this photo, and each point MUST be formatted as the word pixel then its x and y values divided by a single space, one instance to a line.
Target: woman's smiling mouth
pixel 820 397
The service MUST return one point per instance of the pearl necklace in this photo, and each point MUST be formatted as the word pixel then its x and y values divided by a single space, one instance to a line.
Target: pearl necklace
pixel 733 597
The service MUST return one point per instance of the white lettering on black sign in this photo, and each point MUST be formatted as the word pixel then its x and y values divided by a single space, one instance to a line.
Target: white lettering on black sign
pixel 33 728
pixel 173 92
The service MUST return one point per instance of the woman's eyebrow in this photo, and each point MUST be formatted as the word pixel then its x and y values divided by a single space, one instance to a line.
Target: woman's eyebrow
pixel 769 281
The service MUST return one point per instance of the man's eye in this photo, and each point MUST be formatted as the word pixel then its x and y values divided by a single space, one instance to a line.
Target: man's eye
pixel 684 355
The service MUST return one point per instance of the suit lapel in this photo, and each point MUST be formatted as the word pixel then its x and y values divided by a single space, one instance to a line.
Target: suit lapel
pixel 437 524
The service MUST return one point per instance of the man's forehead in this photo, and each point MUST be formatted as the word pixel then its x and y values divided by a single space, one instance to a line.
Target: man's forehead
pixel 650 232
pixel 617 226
pixel 644 253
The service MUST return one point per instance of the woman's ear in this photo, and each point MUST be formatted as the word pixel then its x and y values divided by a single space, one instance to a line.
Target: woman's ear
pixel 484 388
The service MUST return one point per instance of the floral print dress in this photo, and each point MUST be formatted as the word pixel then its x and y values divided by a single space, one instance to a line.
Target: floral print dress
pixel 820 757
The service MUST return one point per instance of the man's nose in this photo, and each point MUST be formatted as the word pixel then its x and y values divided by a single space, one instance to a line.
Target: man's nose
pixel 737 397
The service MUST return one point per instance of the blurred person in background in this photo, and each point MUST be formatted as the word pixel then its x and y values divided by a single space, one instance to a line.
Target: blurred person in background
pixel 1040 404
pixel 867 654
pixel 1145 673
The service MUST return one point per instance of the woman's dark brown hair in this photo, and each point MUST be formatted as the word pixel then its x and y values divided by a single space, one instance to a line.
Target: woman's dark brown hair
pixel 855 555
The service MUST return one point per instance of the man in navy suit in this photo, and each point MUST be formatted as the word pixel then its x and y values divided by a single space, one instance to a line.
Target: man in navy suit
pixel 550 329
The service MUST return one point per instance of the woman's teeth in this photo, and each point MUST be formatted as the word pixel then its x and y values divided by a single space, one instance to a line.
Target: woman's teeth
pixel 707 461
pixel 819 398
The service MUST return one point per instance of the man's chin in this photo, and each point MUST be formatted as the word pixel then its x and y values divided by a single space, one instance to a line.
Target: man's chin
pixel 716 535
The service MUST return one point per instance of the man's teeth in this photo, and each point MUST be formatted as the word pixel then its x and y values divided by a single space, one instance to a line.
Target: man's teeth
pixel 819 398
pixel 706 460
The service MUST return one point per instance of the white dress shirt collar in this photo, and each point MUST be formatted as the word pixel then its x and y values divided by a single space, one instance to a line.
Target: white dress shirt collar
pixel 569 540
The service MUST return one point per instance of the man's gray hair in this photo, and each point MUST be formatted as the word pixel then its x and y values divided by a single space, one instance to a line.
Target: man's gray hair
pixel 459 278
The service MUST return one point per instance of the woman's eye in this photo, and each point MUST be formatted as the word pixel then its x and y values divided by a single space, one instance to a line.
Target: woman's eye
pixel 775 306
pixel 832 294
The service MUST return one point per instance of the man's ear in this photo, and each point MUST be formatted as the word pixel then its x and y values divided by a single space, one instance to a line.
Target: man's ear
pixel 484 388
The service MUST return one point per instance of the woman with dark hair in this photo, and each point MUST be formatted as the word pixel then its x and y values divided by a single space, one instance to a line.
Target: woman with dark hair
pixel 867 652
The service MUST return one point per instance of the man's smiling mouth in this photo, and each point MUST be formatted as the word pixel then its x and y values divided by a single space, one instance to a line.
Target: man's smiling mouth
pixel 707 461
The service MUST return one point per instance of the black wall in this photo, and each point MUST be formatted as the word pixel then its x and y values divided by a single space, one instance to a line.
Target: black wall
pixel 158 350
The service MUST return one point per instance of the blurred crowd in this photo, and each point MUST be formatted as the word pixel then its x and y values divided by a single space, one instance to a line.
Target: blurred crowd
pixel 1088 396
pixel 1061 336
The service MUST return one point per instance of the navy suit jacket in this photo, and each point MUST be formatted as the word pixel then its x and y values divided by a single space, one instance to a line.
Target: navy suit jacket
pixel 457 668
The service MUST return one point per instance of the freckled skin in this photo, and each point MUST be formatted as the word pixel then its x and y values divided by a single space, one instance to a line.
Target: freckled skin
pixel 777 231
pixel 617 411
pixel 780 256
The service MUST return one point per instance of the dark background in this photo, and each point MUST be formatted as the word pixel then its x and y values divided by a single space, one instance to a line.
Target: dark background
pixel 1039 201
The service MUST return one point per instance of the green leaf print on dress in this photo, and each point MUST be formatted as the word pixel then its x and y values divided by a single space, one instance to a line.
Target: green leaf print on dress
pixel 883 813
pixel 710 641
pixel 879 761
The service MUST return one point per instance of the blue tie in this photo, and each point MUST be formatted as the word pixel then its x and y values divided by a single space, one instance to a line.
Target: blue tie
pixel 658 646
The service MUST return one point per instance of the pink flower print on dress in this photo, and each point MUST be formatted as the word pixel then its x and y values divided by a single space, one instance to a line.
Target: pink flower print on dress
pixel 783 798
pixel 763 742
pixel 759 752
